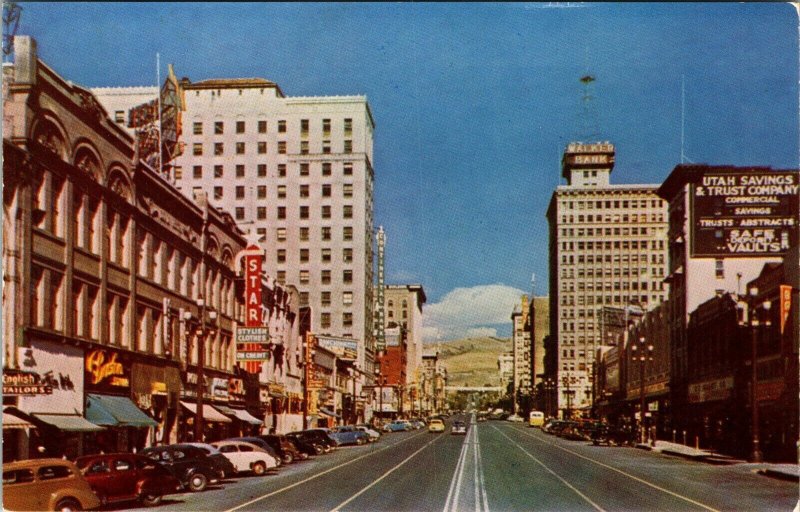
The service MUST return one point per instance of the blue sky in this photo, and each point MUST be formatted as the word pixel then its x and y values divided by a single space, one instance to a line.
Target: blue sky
pixel 474 104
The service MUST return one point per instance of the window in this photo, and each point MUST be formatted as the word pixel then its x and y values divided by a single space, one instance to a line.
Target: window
pixel 119 116
pixel 326 255
pixel 262 170
pixel 326 233
pixel 281 212
pixel 281 191
pixel 219 171
pixel 348 169
pixel 219 148
pixel 719 269
pixel 326 190
pixel 348 126
pixel 304 191
pixel 347 255
pixel 326 126
pixel 239 170
pixel 281 276
pixel 281 236
pixel 304 147
pixel 239 126
pixel 262 231
pixel 262 127
pixel 239 213
pixel 304 126
pixel 304 277
pixel 197 172
pixel 281 126
pixel 326 146
pixel 262 147
pixel 326 169
pixel 261 191
pixel 348 211
pixel 304 212
pixel 347 233
pixel 326 298
pixel 197 149
pixel 304 232
pixel 281 255
pixel 239 192
pixel 217 192
pixel 347 190
pixel 347 298
pixel 326 277
pixel 282 170
pixel 326 211
pixel 304 298
pixel 219 128
pixel 304 255
pixel 282 147
pixel 261 213
pixel 305 169
pixel 347 276
pixel 197 128
pixel 347 319
pixel 240 148
pixel 348 146
pixel 325 320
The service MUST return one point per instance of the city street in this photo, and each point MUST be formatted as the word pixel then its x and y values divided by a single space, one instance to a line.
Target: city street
pixel 496 466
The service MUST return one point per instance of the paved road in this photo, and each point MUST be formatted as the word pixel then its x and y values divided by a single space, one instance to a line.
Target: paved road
pixel 498 466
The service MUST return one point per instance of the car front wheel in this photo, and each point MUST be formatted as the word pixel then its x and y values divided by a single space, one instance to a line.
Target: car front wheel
pixel 198 482
pixel 151 500
pixel 68 505
pixel 288 459
pixel 259 468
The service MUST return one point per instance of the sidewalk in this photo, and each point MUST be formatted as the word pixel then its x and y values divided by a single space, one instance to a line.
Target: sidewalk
pixel 781 471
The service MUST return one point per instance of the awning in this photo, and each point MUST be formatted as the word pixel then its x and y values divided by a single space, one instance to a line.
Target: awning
pixel 68 422
pixel 116 411
pixel 12 421
pixel 209 413
pixel 246 417
pixel 224 409
pixel 328 412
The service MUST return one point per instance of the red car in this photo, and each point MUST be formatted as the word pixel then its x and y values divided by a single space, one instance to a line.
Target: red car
pixel 125 477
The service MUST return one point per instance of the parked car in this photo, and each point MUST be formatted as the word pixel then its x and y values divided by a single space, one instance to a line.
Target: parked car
pixel 373 434
pixel 46 484
pixel 515 418
pixel 436 425
pixel 396 426
pixel 116 477
pixel 323 436
pixel 218 458
pixel 347 434
pixel 552 425
pixel 287 451
pixel 256 440
pixel 319 445
pixel 191 464
pixel 458 427
pixel 306 448
pixel 246 456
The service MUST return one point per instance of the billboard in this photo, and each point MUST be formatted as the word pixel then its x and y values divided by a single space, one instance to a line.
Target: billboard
pixel 344 348
pixel 744 214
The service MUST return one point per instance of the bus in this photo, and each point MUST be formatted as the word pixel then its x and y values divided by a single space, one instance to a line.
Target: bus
pixel 536 419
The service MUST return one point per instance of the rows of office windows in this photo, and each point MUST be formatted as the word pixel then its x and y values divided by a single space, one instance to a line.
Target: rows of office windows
pixel 326 211
pixel 326 190
pixel 240 127
pixel 240 148
pixel 325 276
pixel 240 170
pixel 326 323
pixel 571 272
pixel 656 245
pixel 611 204
pixel 618 231
pixel 304 235
pixel 568 301
pixel 609 218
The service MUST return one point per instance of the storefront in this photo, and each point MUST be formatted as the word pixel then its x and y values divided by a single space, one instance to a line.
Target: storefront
pixel 244 423
pixel 215 424
pixel 156 389
pixel 59 413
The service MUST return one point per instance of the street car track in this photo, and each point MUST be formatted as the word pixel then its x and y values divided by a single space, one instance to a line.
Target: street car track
pixel 605 466
pixel 322 473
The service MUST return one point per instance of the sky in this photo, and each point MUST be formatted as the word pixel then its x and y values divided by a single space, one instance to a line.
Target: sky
pixel 474 104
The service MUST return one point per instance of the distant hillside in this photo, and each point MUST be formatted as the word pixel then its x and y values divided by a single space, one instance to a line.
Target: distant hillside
pixel 473 361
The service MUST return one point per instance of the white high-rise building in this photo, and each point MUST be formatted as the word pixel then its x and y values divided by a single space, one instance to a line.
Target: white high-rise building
pixel 607 248
pixel 298 171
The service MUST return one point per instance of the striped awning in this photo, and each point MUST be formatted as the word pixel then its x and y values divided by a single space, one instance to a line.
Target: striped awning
pixel 209 413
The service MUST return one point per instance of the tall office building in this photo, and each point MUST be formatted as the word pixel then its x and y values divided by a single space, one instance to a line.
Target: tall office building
pixel 403 306
pixel 521 348
pixel 296 170
pixel 607 248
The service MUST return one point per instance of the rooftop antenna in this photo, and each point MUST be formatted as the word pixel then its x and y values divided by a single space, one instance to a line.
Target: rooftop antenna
pixel 683 120
pixel 11 14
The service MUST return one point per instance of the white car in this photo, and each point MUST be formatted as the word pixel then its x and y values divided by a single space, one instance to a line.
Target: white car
pixel 246 456
pixel 515 418
pixel 373 435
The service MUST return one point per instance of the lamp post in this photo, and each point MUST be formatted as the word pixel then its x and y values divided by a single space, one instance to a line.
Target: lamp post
pixel 565 380
pixel 643 353
pixel 549 386
pixel 201 333
pixel 752 321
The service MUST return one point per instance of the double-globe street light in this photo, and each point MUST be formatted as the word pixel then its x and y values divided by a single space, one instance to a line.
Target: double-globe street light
pixel 751 320
pixel 549 386
pixel 642 353
pixel 201 332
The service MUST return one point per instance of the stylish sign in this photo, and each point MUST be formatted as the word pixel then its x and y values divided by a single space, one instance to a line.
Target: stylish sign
pixel 252 340
pixel 104 369
pixel 24 383
pixel 745 214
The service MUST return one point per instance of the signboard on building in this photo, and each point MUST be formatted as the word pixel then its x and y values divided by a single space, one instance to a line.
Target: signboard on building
pixel 252 339
pixel 344 348
pixel 710 390
pixel 107 370
pixel 59 367
pixel 744 214
pixel 24 383
pixel 392 336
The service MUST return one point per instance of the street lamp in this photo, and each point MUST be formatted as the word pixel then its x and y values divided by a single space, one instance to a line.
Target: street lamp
pixel 752 321
pixel 201 332
pixel 549 386
pixel 642 353
pixel 565 380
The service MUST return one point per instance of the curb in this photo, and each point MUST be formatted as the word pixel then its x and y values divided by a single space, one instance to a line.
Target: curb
pixel 771 473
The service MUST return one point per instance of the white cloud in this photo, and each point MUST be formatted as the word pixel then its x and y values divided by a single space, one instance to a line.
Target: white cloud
pixel 470 312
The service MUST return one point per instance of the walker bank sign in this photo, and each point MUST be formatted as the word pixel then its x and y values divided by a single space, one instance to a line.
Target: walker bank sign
pixel 741 214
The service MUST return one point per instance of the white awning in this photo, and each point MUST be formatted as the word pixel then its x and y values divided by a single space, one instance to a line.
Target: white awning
pixel 12 421
pixel 209 413
pixel 246 416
